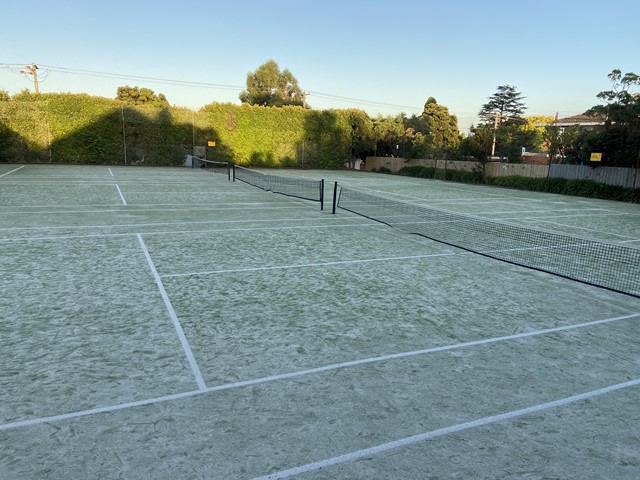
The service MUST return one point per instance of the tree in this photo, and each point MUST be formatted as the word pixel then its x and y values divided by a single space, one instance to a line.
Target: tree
pixel 443 126
pixel 270 87
pixel 620 141
pixel 141 96
pixel 622 105
pixel 504 105
pixel 390 135
pixel 4 96
pixel 504 108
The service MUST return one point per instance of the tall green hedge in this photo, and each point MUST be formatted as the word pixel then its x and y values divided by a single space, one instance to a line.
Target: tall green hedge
pixel 78 128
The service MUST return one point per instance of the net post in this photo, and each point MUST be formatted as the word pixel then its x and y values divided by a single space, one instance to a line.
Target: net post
pixel 335 190
pixel 322 194
pixel 228 171
pixel 233 167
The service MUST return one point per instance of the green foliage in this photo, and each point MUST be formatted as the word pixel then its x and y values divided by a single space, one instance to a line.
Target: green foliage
pixel 68 128
pixel 562 186
pixel 270 87
pixel 505 104
pixel 4 96
pixel 141 96
pixel 289 136
pixel 451 175
pixel 620 136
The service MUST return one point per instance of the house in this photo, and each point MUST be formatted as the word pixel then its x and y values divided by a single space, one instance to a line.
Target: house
pixel 583 120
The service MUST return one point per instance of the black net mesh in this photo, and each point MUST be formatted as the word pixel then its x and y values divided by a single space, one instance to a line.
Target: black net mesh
pixel 611 266
pixel 211 166
pixel 291 186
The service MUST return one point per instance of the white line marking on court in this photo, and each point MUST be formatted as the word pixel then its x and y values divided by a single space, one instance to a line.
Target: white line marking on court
pixel 413 353
pixel 14 170
pixel 182 232
pixel 110 172
pixel 307 265
pixel 121 196
pixel 300 373
pixel 93 411
pixel 481 422
pixel 174 318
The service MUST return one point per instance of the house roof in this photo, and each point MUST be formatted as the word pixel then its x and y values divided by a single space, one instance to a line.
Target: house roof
pixel 582 119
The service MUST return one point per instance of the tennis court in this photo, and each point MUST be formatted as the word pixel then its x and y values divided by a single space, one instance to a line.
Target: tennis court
pixel 166 323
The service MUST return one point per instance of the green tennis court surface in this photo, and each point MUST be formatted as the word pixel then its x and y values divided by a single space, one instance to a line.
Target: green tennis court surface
pixel 170 324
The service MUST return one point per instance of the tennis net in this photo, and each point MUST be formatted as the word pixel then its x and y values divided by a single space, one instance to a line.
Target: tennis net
pixel 211 166
pixel 291 186
pixel 611 266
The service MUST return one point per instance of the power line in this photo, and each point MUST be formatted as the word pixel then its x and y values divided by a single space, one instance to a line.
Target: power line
pixel 188 83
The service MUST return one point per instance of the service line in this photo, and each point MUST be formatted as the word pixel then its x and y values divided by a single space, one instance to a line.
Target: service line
pixel 300 373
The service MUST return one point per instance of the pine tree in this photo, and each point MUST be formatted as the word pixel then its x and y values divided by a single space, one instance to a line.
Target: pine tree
pixel 506 104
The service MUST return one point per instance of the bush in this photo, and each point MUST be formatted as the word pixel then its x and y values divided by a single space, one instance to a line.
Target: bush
pixel 562 186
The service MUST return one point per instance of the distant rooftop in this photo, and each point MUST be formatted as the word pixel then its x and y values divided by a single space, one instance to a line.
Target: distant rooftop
pixel 582 119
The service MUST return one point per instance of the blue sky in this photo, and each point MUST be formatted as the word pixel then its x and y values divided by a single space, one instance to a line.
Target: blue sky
pixel 381 56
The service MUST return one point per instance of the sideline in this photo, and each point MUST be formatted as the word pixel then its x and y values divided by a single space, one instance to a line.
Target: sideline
pixel 481 422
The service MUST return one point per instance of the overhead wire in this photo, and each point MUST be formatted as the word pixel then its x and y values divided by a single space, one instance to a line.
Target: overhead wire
pixel 75 71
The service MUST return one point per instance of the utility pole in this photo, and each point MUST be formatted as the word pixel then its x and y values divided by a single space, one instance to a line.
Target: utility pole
pixel 495 127
pixel 304 99
pixel 33 71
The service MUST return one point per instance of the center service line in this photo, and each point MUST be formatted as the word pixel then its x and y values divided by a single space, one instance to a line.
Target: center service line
pixel 110 172
pixel 124 202
pixel 368 452
pixel 174 318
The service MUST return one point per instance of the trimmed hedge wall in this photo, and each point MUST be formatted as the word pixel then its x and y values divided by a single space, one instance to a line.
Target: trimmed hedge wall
pixel 578 188
pixel 79 128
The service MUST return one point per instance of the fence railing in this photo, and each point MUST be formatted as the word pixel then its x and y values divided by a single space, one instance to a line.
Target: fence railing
pixel 619 176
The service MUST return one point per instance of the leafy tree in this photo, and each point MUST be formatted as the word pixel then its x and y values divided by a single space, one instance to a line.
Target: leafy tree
pixel 432 133
pixel 270 87
pixel 4 96
pixel 141 96
pixel 389 135
pixel 362 137
pixel 506 104
pixel 478 145
pixel 621 141
pixel 443 126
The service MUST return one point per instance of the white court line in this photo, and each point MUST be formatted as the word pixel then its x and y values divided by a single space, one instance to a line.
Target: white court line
pixel 14 170
pixel 168 232
pixel 278 221
pixel 121 196
pixel 307 265
pixel 110 172
pixel 481 422
pixel 300 373
pixel 174 318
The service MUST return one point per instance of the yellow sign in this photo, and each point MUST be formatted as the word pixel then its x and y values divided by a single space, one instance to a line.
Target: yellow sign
pixel 596 157
pixel 211 143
